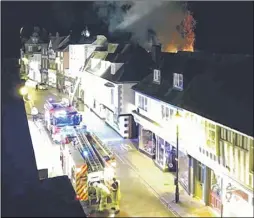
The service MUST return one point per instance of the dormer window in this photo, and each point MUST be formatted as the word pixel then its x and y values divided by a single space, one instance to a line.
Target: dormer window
pixel 113 69
pixel 178 81
pixel 157 76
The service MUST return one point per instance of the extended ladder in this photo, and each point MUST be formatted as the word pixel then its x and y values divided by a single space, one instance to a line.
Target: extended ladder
pixel 102 145
pixel 88 153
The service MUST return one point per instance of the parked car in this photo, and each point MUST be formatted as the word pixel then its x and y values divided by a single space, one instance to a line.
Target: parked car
pixel 42 86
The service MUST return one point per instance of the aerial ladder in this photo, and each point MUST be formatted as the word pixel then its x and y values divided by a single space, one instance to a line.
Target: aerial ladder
pixel 106 156
pixel 95 166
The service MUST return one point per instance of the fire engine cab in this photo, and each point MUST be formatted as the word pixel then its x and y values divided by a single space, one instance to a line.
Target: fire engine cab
pixel 60 118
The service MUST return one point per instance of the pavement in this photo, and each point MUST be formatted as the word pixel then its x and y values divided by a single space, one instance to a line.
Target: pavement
pixel 146 190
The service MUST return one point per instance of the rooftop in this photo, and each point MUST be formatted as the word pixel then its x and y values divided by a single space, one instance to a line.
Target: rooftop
pixel 217 87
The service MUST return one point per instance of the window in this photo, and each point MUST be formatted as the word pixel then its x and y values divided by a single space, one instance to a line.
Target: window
pixel 142 102
pixel 62 54
pixel 251 159
pixel 30 48
pixel 223 133
pixel 157 76
pixel 163 112
pixel 245 143
pixel 178 81
pixel 229 136
pixel 112 96
pixel 113 69
pixel 167 113
pixel 239 140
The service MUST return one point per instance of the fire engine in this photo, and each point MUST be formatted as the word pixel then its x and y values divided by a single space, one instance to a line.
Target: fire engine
pixel 84 149
pixel 60 118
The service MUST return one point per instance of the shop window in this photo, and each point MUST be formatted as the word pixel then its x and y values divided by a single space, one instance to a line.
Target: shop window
pixel 146 141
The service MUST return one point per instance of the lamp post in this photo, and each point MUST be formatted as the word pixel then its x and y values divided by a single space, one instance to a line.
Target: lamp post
pixel 177 118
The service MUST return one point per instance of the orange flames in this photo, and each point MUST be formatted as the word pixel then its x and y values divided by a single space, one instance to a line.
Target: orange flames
pixel 184 38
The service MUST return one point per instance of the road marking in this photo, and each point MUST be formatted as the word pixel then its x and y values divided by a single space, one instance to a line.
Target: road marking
pixel 118 157
pixel 123 147
pixel 126 147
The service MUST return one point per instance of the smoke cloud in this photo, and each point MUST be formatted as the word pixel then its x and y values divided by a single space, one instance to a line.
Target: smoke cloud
pixel 159 19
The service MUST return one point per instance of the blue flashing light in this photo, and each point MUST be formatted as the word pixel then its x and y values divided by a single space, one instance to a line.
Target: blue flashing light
pixel 60 113
pixel 85 153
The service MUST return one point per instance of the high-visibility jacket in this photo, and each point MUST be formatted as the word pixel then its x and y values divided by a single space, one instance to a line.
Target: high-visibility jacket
pixel 34 111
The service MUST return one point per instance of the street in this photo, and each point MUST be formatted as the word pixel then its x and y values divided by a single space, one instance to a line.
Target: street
pixel 138 199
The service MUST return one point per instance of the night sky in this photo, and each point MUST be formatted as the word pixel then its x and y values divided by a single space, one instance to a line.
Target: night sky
pixel 221 26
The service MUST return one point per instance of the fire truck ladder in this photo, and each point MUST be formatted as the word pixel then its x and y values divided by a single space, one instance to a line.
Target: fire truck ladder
pixel 85 147
pixel 102 145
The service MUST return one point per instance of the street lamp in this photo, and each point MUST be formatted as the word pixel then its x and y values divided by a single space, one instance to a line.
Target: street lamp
pixel 177 120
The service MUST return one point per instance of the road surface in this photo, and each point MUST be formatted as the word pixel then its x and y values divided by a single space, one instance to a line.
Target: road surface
pixel 138 199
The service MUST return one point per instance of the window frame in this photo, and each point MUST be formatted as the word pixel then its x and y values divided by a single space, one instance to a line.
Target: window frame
pixel 30 48
pixel 156 75
pixel 177 78
pixel 142 103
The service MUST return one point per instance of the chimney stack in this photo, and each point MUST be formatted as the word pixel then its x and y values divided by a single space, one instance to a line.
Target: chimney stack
pixel 57 34
pixel 156 54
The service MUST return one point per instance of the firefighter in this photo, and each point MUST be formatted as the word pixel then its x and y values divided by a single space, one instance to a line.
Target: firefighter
pixel 34 113
pixel 102 193
pixel 36 87
pixel 115 195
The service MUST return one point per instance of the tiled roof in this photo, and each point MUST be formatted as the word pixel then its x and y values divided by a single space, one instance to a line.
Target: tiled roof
pixel 136 63
pixel 56 41
pixel 217 87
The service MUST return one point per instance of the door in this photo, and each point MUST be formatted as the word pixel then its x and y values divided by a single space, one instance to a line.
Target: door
pixel 199 181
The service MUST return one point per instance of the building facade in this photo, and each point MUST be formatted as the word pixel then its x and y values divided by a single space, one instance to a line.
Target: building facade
pixel 44 63
pixel 215 161
pixel 107 81
pixel 53 62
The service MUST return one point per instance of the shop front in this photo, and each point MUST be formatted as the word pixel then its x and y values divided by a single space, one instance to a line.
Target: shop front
pixel 147 142
pixel 68 84
pixel 44 76
pixel 215 192
pixel 237 200
pixel 60 81
pixel 184 161
pixel 165 157
pixel 52 78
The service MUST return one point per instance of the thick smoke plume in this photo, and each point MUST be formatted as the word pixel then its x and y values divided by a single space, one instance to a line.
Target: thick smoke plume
pixel 169 23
